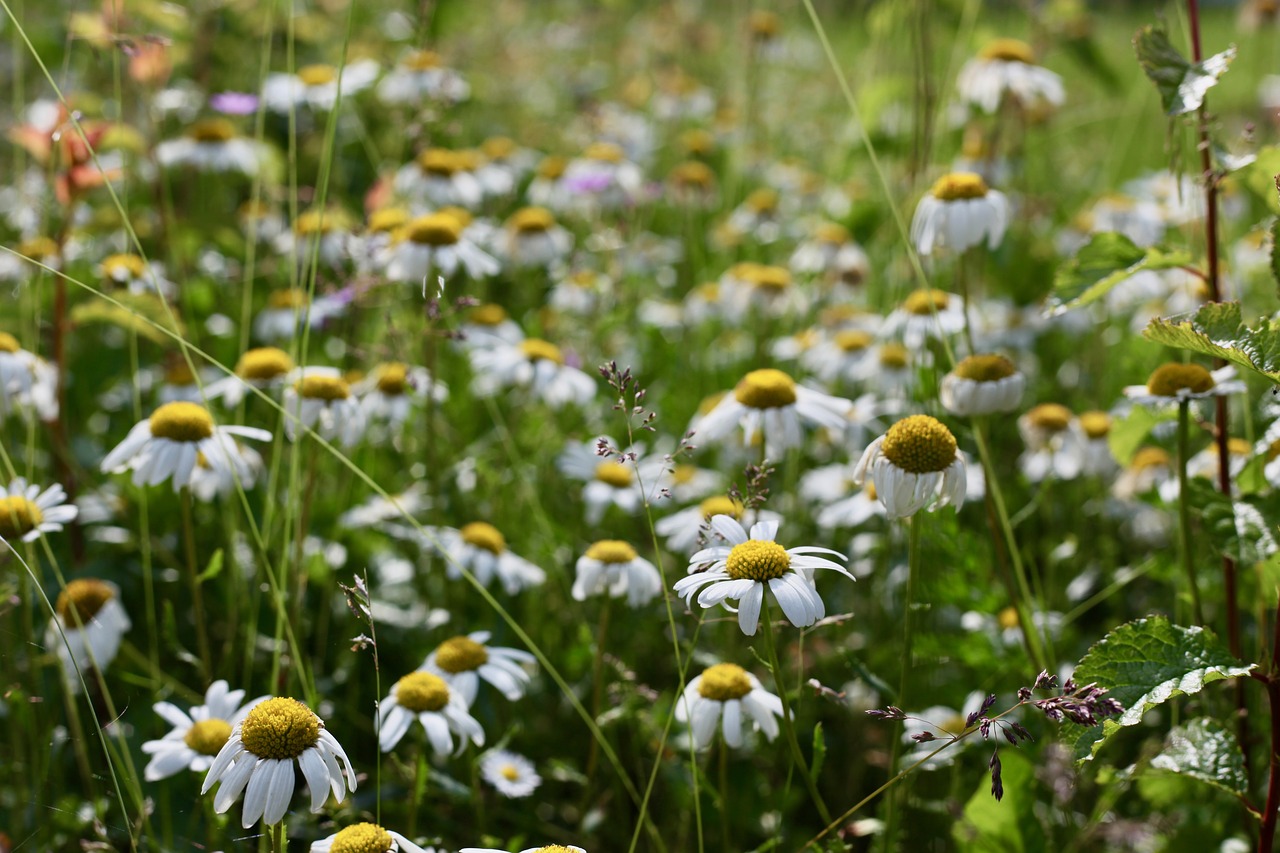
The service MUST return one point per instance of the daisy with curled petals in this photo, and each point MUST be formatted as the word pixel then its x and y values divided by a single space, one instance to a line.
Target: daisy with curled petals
pixel 959 212
pixel 26 512
pixel 726 691
pixel 320 398
pixel 464 660
pixel 169 444
pixel 199 734
pixel 771 402
pixel 88 625
pixel 259 761
pixel 1177 382
pixel 926 313
pixel 914 465
pixel 442 711
pixel 612 566
pixel 982 385
pixel 1007 68
pixel 741 570
pixel 534 364
pixel 511 774
pixel 365 838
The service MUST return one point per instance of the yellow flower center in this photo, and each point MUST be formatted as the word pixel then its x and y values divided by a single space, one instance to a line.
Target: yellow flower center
pixel 1095 424
pixel 434 229
pixel 362 838
pixel 724 681
pixel 131 265
pixel 212 130
pixel 1273 450
pixel 758 560
pixel 487 315
pixel 421 60
pixel 263 363
pixel 605 152
pixel 18 517
pixel 290 298
pixel 959 186
pixel 1239 447
pixel 721 505
pixel 919 444
pixel 38 248
pixel 280 728
pixel 553 848
pixel 498 147
pixel 922 303
pixel 327 388
pixel 870 489
pixel 769 278
pixel 182 421
pixel 1009 50
pixel 393 378
pixel 831 233
pixel 207 737
pixel 439 161
pixel 82 599
pixel 766 389
pixel 317 75
pixel 536 349
pixel 8 343
pixel 422 691
pixel 698 141
pixel 509 772
pixel 894 356
pixel 1007 618
pixel 612 551
pixel 484 535
pixel 693 174
pixel 985 368
pixel 532 220
pixel 461 654
pixel 764 200
pixel 1050 417
pixel 616 474
pixel 387 219
pixel 853 340
pixel 1149 457
pixel 552 167
pixel 314 222
pixel 179 373
pixel 683 474
pixel 764 24
pixel 954 725
pixel 1169 379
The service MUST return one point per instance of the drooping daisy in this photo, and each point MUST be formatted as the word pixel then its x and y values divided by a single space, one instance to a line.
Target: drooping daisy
pixel 1178 382
pixel 1007 68
pixel 87 628
pixel 532 363
pixel 1054 444
pixel 741 570
pixel 982 385
pixel 419 76
pixel 914 465
pixel 612 567
pixel 771 402
pixel 434 246
pixel 959 212
pixel 317 86
pixel 682 529
pixel 198 735
pixel 481 549
pixel 365 838
pixel 511 774
pixel 925 314
pixel 167 445
pixel 213 145
pixel 261 368
pixel 391 388
pixel 320 398
pixel 1096 457
pixel 442 711
pixel 727 692
pixel 464 661
pixel 277 737
pixel 26 512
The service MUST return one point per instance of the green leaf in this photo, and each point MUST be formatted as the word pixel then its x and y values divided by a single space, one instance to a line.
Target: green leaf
pixel 1182 84
pixel 214 568
pixel 819 750
pixel 1144 664
pixel 1102 263
pixel 1259 177
pixel 1008 825
pixel 1204 749
pixel 1275 252
pixel 1217 330
pixel 1127 435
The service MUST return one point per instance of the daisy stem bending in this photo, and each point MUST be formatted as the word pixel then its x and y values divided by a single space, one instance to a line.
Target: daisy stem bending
pixel 797 757
pixel 1184 511
pixel 193 577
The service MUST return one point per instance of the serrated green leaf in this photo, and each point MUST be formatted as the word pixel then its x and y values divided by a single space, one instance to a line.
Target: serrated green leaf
pixel 819 750
pixel 1205 750
pixel 1217 330
pixel 1144 664
pixel 214 568
pixel 1006 826
pixel 1182 84
pixel 1102 263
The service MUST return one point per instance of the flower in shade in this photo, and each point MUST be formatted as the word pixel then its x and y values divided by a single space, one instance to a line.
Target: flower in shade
pixel 26 512
pixel 770 401
pixel 427 698
pixel 959 212
pixel 277 737
pixel 612 566
pixel 365 838
pixel 742 569
pixel 511 774
pixel 1055 443
pixel 89 623
pixel 914 465
pixel 464 661
pixel 199 734
pixel 727 692
pixel 1178 382
pixel 1007 68
pixel 982 385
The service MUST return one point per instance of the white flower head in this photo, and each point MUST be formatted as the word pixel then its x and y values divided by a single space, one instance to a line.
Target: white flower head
pixel 365 838
pixel 26 511
pixel 87 628
pixel 320 398
pixel 1055 443
pixel 464 661
pixel 435 246
pixel 511 774
pixel 532 363
pixel 199 734
pixel 1007 68
pixel 427 698
pixel 959 212
pixel 612 567
pixel 914 465
pixel 982 385
pixel 726 693
pixel 1178 382
pixel 769 401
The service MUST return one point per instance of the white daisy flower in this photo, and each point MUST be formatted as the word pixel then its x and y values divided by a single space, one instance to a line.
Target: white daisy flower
pixel 434 246
pixel 440 177
pixel 137 275
pixel 419 76
pixel 391 388
pixel 890 371
pixel 167 446
pixel 941 722
pixel 602 178
pixel 1150 468
pixel 365 838
pixel 759 216
pixel 852 511
pixel 741 570
pixel 261 368
pixel 534 364
pixel 690 483
pixel 487 325
pixel 442 711
pixel 511 774
pixel 259 761
pixel 464 661
pixel 1055 445
pixel 914 465
pixel 213 145
pixel 208 482
pixel 1178 382
pixel 832 254
pixel 199 734
pixel 982 385
pixel 481 549
pixel 613 567
pixel 925 314
pixel 771 402
pixel 612 481
pixel 959 212
pixel 328 235
pixel 546 189
pixel 87 628
pixel 320 398
pixel 289 308
pixel 26 379
pixel 316 86
pixel 533 238
pixel 26 512
pixel 1007 68
pixel 727 692
pixel 1096 458
pixel 681 529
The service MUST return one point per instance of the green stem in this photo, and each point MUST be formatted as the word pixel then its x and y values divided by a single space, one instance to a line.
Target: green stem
pixel 420 771
pixel 597 685
pixel 725 822
pixel 1184 511
pixel 193 577
pixel 908 642
pixel 279 843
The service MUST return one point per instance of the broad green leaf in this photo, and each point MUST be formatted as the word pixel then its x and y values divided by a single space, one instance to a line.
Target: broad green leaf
pixel 1144 664
pixel 1102 263
pixel 1007 826
pixel 1217 330
pixel 1204 749
pixel 1182 84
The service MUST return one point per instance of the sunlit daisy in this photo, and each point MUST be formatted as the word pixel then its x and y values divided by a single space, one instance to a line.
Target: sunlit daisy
pixel 727 692
pixel 262 368
pixel 434 246
pixel 914 465
pixel 612 567
pixel 464 661
pixel 511 774
pixel 327 235
pixel 317 86
pixel 481 549
pixel 602 177
pixel 925 314
pixel 26 512
pixel 365 838
pixel 486 325
pixel 87 628
pixel 770 401
pixel 532 238
pixel 26 380
pixel 682 529
pixel 420 76
pixel 439 177
pixel 959 212
pixel 532 363
pixel 199 734
pixel 982 385
pixel 208 481
pixel 429 699
pixel 320 398
pixel 1096 457
pixel 276 738
pixel 1179 382
pixel 852 511
pixel 1150 468
pixel 1007 68
pixel 741 569
pixel 288 309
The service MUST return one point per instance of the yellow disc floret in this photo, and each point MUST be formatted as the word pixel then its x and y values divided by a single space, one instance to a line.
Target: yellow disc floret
pixel 615 474
pixel 959 186
pixel 461 654
pixel 1169 379
pixel 1050 417
pixel 985 368
pixel 487 315
pixel 8 343
pixel 853 340
pixel 81 600
pixel 207 737
pixel 766 389
pixel 131 266
pixel 280 728
pixel 532 220
pixel 1149 457
pixel 182 421
pixel 317 75
pixel 18 517
pixel 721 505
pixel 536 349
pixel 484 535
pixel 439 161
pixel 1009 50
pixel 920 444
pixel 922 303
pixel 291 298
pixel 1095 424
pixel 263 364
pixel 393 377
pixel 757 560
pixel 605 152
pixel 362 838
pixel 894 356
pixel 724 681
pixel 213 130
pixel 612 551
pixel 327 388
pixel 434 229
pixel 422 691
